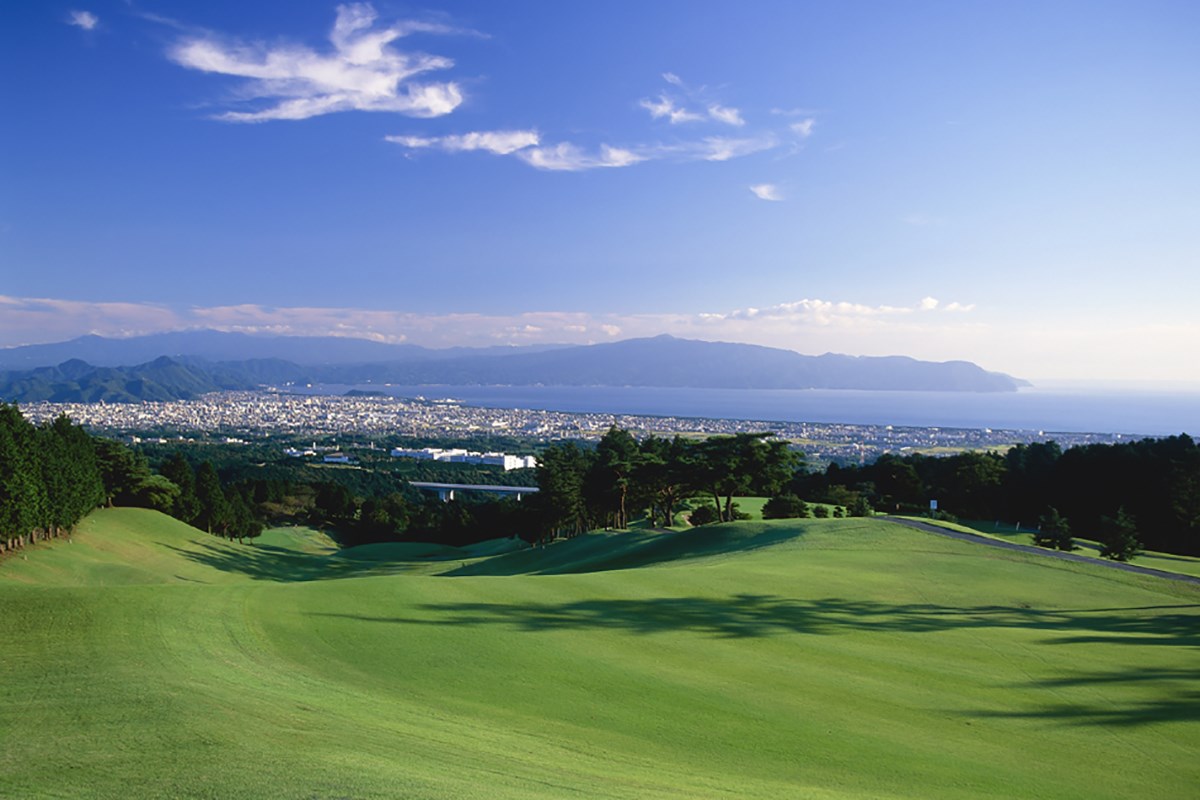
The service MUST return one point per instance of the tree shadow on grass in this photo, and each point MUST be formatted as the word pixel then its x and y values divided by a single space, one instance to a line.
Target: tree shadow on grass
pixel 595 552
pixel 748 615
pixel 1177 698
pixel 1160 695
pixel 270 563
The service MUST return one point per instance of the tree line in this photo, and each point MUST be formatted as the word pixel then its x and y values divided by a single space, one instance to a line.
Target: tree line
pixel 583 489
pixel 1130 495
pixel 1147 491
pixel 53 475
pixel 50 477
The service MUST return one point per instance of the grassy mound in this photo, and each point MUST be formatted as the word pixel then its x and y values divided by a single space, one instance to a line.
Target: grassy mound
pixel 820 658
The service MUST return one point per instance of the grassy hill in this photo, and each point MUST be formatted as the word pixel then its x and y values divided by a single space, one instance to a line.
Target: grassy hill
pixel 818 658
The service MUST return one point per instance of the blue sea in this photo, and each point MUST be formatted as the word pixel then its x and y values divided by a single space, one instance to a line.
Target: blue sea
pixel 1076 410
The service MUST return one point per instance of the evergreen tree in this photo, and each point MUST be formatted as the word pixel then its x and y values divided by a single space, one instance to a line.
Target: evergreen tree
pixel 610 478
pixel 122 471
pixel 22 492
pixel 1054 531
pixel 214 508
pixel 664 474
pixel 179 471
pixel 69 471
pixel 1119 536
pixel 560 499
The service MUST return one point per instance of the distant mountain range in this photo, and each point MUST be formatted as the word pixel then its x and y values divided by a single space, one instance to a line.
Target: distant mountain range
pixel 187 364
pixel 221 346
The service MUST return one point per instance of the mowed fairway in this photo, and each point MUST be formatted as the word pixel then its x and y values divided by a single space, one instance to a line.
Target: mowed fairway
pixel 818 658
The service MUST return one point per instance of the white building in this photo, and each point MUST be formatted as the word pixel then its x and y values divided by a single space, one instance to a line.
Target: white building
pixel 461 456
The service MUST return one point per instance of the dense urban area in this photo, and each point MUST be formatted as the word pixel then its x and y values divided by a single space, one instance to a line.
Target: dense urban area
pixel 237 415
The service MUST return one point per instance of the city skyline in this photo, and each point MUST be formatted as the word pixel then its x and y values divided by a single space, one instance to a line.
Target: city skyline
pixel 1011 184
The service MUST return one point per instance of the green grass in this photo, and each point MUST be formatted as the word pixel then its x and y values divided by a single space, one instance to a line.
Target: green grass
pixel 1167 562
pixel 818 658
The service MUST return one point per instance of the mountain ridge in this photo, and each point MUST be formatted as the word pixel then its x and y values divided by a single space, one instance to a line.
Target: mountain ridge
pixel 660 361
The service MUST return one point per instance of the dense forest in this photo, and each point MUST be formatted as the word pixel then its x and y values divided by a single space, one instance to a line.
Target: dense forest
pixel 50 477
pixel 1151 486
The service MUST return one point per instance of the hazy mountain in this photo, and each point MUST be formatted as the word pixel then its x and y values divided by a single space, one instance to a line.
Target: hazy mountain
pixel 659 361
pixel 78 382
pixel 218 346
pixel 668 361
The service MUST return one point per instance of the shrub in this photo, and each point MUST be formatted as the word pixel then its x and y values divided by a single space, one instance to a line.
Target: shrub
pixel 785 506
pixel 703 515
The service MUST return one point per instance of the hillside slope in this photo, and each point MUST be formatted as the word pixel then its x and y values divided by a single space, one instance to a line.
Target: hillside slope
pixel 828 659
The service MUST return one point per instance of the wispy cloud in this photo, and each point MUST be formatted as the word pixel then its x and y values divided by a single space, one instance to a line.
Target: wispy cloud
pixel 767 191
pixel 721 148
pixel 83 19
pixel 803 128
pixel 825 312
pixel 362 72
pixel 59 319
pixel 665 107
pixel 730 116
pixel 678 105
pixel 566 157
pixel 499 142
pixel 571 157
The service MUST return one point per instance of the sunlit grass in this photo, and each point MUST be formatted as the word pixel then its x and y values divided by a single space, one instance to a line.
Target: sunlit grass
pixel 821 658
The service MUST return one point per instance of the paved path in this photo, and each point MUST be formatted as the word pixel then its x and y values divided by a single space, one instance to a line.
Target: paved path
pixel 1041 551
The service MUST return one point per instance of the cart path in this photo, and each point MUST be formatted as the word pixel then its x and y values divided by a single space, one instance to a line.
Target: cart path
pixel 1027 548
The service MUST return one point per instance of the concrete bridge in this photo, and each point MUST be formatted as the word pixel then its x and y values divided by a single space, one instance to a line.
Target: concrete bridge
pixel 446 490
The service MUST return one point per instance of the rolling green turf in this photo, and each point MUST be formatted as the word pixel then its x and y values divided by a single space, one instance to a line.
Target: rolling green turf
pixel 1167 562
pixel 793 659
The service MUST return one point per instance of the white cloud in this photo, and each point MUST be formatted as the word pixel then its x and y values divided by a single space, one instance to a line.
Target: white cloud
pixel 666 107
pixel 730 116
pixel 571 157
pixel 83 19
pixel 826 312
pixel 567 157
pixel 803 128
pixel 766 191
pixel 499 142
pixel 362 73
pixel 720 148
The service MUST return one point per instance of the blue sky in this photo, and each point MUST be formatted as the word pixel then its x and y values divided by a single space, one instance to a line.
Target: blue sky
pixel 1010 183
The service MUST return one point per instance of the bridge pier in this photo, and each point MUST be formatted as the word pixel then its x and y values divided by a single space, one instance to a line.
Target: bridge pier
pixel 445 491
